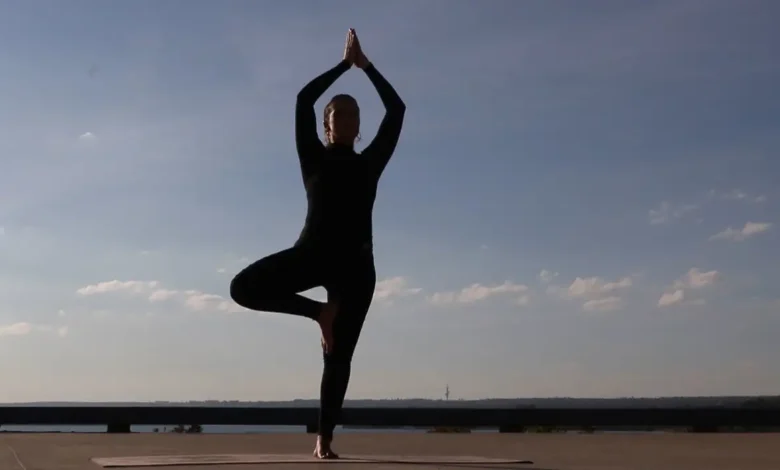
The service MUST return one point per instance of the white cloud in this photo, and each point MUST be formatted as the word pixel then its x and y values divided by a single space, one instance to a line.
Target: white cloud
pixel 696 279
pixel 200 301
pixel 547 276
pixel 221 270
pixel 394 287
pixel 737 195
pixel 476 292
pixel 16 329
pixel 87 137
pixel 523 300
pixel 154 292
pixel 670 298
pixel 134 287
pixel 161 295
pixel 196 300
pixel 666 212
pixel 596 293
pixel 737 235
pixel 61 313
pixel 693 279
pixel 606 304
pixel 24 328
pixel 595 286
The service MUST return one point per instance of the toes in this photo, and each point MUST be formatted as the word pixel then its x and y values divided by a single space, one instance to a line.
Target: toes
pixel 323 454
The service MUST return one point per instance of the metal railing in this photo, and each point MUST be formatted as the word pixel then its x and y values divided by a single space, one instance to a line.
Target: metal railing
pixel 121 418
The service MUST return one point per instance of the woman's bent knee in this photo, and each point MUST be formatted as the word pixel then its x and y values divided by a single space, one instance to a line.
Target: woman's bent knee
pixel 251 289
pixel 239 289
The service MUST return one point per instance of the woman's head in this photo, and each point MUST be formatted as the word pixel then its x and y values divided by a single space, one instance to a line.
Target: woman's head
pixel 342 120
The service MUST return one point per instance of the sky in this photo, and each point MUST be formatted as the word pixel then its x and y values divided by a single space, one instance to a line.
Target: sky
pixel 583 201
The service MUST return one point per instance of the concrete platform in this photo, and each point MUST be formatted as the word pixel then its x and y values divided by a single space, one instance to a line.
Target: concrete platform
pixel 549 452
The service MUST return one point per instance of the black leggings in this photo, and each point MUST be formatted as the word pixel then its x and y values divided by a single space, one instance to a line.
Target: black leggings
pixel 273 283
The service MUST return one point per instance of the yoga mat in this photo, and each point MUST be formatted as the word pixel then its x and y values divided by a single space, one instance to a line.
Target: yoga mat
pixel 225 459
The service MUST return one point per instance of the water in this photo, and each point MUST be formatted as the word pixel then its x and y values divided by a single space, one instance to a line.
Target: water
pixel 209 429
pixel 225 429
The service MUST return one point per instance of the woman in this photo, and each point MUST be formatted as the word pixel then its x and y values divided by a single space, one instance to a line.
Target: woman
pixel 335 248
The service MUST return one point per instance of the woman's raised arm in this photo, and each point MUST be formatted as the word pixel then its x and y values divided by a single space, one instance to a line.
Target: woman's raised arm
pixel 307 141
pixel 383 145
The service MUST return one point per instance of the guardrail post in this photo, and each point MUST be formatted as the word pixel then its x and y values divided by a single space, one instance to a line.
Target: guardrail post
pixel 118 428
pixel 702 429
pixel 511 429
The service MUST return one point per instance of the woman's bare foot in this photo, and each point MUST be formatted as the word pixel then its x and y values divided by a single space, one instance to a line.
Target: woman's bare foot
pixel 325 320
pixel 323 451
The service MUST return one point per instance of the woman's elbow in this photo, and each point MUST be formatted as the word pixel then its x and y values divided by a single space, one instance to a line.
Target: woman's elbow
pixel 304 99
pixel 398 108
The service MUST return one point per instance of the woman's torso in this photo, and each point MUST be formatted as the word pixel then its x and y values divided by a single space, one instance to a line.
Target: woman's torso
pixel 340 192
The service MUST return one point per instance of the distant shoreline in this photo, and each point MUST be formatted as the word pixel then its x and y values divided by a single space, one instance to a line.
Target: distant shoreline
pixel 559 402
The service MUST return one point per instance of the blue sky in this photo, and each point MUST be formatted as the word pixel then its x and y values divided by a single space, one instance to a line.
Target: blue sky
pixel 581 204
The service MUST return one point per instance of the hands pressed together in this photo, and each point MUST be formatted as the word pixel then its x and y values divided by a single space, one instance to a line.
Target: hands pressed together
pixel 353 52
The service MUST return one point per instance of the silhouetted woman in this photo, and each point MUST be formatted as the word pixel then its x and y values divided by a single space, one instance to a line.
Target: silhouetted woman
pixel 335 248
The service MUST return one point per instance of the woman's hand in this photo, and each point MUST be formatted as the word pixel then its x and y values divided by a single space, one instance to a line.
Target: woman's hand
pixel 353 52
pixel 348 49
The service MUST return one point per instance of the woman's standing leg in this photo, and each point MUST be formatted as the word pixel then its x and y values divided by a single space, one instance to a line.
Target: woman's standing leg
pixel 353 292
pixel 272 284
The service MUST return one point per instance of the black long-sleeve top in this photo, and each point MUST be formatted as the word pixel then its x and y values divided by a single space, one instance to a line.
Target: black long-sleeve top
pixel 341 184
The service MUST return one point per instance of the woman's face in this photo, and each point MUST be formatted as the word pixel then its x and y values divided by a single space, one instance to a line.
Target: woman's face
pixel 343 122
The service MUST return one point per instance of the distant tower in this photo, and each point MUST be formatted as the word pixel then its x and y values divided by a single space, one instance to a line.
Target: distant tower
pixel 447 393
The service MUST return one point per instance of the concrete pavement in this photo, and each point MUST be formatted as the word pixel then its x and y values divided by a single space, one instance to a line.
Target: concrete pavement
pixel 53 451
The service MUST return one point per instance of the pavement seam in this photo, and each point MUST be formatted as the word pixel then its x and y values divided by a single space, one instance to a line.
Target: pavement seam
pixel 16 456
